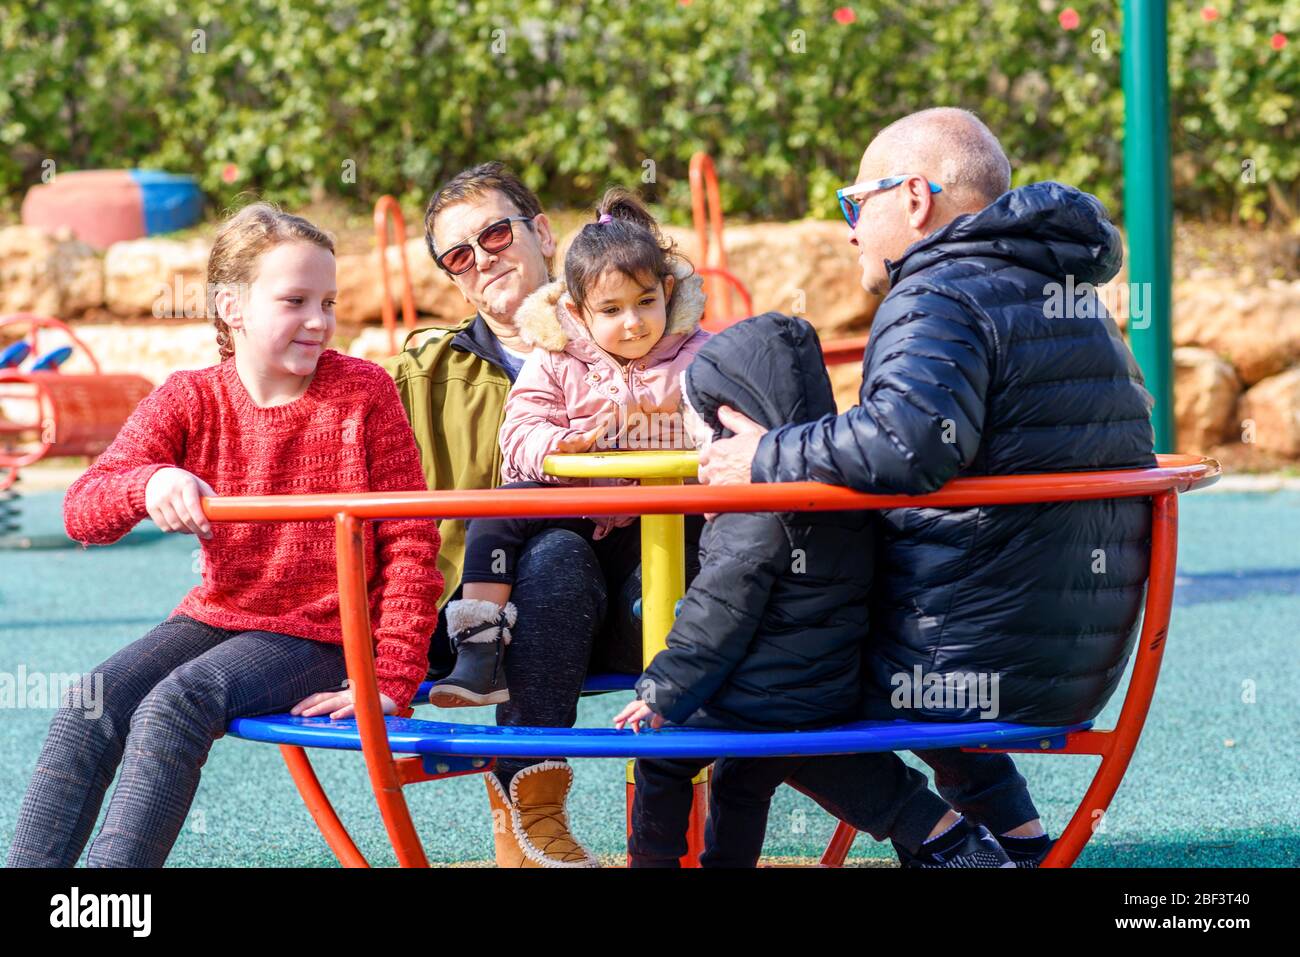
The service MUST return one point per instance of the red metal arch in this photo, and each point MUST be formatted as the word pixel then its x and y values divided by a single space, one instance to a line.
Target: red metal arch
pixel 387 208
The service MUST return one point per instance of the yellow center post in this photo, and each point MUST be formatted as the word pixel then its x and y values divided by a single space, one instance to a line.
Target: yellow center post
pixel 663 537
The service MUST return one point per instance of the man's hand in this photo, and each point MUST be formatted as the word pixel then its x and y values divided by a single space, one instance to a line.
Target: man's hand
pixel 728 461
pixel 337 704
pixel 635 713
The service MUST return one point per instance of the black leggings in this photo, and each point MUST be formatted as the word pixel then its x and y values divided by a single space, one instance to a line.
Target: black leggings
pixel 575 598
pixel 492 545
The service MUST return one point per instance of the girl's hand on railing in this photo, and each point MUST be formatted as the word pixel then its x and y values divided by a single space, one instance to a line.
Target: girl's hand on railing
pixel 635 713
pixel 585 441
pixel 172 499
pixel 338 704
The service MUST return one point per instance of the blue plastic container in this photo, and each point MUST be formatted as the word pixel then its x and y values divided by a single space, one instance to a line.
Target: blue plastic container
pixel 171 201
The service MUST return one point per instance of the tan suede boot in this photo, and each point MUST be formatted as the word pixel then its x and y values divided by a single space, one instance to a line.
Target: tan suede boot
pixel 508 852
pixel 530 825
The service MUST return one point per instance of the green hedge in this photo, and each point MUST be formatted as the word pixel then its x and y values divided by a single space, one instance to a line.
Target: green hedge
pixel 577 94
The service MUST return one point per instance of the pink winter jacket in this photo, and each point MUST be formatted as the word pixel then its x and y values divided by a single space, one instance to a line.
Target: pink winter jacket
pixel 569 382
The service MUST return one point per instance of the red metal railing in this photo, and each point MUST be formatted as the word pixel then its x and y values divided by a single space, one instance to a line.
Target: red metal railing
pixel 719 281
pixel 67 414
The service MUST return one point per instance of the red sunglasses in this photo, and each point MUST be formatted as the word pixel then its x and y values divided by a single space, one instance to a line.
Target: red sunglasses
pixel 491 239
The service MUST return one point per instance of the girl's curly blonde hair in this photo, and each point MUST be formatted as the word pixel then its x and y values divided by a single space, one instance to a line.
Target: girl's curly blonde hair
pixel 240 242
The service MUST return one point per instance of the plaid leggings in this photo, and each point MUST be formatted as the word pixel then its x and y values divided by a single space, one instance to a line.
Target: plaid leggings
pixel 164 699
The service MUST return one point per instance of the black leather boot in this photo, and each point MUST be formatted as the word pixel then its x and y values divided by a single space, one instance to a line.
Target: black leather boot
pixel 480 631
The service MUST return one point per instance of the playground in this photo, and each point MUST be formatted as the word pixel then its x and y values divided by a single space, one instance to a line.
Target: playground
pixel 1192 763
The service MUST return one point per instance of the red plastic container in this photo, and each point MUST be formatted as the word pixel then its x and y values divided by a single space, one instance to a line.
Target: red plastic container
pixel 101 207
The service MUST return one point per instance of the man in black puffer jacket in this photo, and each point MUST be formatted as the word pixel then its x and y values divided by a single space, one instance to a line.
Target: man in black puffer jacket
pixel 770 633
pixel 978 365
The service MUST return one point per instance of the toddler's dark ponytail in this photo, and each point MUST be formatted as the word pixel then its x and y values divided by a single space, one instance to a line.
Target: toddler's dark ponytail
pixel 625 238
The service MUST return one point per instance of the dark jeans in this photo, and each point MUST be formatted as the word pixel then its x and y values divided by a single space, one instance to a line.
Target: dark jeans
pixel 879 794
pixel 740 794
pixel 572 618
pixel 492 544
pixel 164 698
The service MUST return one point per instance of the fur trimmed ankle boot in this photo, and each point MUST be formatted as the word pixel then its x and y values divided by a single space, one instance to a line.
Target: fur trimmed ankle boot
pixel 530 825
pixel 480 631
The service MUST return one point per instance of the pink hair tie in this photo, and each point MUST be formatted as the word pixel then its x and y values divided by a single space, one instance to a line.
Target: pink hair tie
pixel 604 218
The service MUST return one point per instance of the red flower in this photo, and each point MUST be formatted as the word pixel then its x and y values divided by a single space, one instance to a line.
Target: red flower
pixel 845 15
pixel 1069 18
pixel 1209 14
pixel 229 173
pixel 683 3
pixel 1277 41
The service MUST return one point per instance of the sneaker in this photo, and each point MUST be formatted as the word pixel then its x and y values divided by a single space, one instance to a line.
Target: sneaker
pixel 962 845
pixel 480 631
pixel 1027 851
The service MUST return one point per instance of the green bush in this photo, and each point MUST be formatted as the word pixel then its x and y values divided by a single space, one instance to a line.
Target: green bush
pixel 296 94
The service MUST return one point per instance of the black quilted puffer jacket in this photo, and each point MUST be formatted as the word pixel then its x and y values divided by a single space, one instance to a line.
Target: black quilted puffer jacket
pixel 977 364
pixel 770 632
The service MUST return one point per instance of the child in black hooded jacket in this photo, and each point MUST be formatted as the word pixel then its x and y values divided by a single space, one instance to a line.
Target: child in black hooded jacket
pixel 771 635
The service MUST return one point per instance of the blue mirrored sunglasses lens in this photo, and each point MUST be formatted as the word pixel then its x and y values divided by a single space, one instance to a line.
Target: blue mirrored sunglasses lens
pixel 850 211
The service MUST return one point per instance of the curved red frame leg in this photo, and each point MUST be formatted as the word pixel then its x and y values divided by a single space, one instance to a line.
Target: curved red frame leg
pixel 706 213
pixel 386 207
pixel 1115 747
pixel 359 652
pixel 840 843
pixel 320 808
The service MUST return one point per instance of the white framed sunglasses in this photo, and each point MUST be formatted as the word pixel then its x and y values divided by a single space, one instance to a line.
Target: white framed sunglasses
pixel 851 208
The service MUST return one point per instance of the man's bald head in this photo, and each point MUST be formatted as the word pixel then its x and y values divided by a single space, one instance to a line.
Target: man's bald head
pixel 947 146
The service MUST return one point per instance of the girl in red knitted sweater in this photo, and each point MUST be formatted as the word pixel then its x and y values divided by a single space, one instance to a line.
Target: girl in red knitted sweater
pixel 280 414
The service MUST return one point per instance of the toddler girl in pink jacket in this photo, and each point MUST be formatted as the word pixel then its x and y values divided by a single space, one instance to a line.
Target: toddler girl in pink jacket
pixel 610 343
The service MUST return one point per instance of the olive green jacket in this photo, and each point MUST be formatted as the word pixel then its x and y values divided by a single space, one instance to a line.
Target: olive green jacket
pixel 454 384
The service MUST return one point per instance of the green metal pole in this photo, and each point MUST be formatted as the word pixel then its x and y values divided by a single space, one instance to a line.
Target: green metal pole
pixel 1148 207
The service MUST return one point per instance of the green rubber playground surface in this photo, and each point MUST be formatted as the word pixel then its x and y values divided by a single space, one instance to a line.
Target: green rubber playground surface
pixel 1215 781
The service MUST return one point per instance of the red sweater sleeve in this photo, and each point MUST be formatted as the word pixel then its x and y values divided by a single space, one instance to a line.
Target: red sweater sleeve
pixel 407 573
pixel 107 500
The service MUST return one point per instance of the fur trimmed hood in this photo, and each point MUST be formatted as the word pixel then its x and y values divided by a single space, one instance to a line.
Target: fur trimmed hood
pixel 543 320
